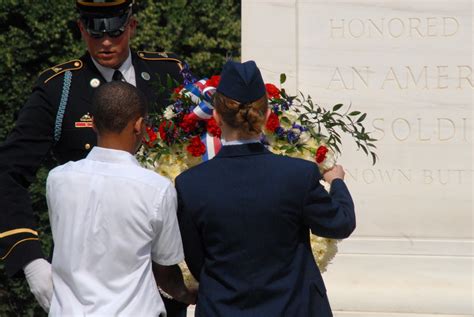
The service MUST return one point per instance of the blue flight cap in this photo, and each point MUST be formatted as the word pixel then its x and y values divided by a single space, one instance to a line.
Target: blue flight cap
pixel 241 82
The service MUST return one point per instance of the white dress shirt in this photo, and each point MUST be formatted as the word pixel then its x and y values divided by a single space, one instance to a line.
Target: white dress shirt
pixel 127 70
pixel 110 218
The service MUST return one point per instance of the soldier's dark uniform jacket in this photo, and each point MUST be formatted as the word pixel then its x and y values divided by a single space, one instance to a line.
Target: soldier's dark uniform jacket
pixel 66 89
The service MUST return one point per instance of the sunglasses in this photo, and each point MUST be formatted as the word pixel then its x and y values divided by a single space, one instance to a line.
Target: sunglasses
pixel 100 34
pixel 114 27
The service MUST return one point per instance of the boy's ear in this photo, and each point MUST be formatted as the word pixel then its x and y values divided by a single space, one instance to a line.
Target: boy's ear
pixel 139 125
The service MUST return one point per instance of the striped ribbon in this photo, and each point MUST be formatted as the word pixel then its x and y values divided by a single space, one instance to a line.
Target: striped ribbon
pixel 202 96
pixel 213 145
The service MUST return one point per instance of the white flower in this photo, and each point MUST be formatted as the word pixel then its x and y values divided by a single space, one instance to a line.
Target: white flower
pixel 304 137
pixel 169 113
pixel 328 162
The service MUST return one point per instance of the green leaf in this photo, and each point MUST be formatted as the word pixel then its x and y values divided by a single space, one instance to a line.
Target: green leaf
pixel 337 107
pixel 285 120
pixel 374 157
pixel 282 78
pixel 354 113
pixel 362 117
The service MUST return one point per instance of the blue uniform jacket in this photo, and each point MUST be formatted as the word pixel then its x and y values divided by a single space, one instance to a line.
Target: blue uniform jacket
pixel 245 218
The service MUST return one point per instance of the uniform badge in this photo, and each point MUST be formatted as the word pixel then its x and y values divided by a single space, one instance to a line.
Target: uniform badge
pixel 145 76
pixel 85 121
pixel 94 83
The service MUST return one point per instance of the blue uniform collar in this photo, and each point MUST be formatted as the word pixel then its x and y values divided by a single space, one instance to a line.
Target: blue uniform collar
pixel 253 148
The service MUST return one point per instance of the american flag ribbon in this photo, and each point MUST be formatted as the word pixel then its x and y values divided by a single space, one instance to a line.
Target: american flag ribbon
pixel 201 95
pixel 213 145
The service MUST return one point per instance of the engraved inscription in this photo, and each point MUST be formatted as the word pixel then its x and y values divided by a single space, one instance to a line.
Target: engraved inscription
pixel 437 77
pixel 405 176
pixel 395 27
pixel 424 130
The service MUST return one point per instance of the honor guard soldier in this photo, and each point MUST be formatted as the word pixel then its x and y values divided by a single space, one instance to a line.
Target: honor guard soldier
pixel 56 120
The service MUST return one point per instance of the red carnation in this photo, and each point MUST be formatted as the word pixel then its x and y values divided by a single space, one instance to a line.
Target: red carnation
pixel 177 90
pixel 213 129
pixel 196 147
pixel 321 154
pixel 273 122
pixel 272 91
pixel 213 81
pixel 167 129
pixel 189 123
pixel 152 136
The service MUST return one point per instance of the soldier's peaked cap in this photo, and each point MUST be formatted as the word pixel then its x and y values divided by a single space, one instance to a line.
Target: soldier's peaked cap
pixel 103 8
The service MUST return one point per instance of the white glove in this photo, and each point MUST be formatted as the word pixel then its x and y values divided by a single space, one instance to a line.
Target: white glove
pixel 39 277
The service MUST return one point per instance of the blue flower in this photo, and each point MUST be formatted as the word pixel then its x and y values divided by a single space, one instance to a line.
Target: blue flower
pixel 178 106
pixel 188 77
pixel 292 137
pixel 285 106
pixel 280 132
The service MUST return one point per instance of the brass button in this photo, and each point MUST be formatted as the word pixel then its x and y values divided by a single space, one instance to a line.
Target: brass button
pixel 77 64
pixel 87 146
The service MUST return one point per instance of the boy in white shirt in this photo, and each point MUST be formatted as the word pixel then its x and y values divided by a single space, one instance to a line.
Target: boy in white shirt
pixel 114 221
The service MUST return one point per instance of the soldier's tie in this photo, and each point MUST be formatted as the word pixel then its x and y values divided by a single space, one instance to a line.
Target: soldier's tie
pixel 118 76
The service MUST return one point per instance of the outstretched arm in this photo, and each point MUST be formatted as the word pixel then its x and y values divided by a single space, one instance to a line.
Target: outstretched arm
pixel 20 156
pixel 329 215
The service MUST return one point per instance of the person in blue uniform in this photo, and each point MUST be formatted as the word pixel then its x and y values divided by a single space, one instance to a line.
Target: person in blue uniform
pixel 56 119
pixel 246 215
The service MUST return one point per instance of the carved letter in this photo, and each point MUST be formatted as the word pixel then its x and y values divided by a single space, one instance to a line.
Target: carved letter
pixel 336 28
pixel 355 177
pixel 419 132
pixel 455 29
pixel 406 175
pixel 411 76
pixel 369 176
pixel 464 120
pixel 362 28
pixel 391 76
pixel 390 27
pixel 381 129
pixel 386 176
pixel 377 28
pixel 337 78
pixel 441 178
pixel 453 129
pixel 441 75
pixel 395 131
pixel 415 26
pixel 430 24
pixel 427 177
pixel 467 77
pixel 365 80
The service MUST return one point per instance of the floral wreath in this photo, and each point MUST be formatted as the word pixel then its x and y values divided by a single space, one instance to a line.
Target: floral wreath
pixel 185 134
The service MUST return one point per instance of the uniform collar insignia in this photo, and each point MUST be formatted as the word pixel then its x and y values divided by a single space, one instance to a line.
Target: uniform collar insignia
pixel 86 118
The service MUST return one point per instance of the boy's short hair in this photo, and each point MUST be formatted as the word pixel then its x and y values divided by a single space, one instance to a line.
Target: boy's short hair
pixel 115 104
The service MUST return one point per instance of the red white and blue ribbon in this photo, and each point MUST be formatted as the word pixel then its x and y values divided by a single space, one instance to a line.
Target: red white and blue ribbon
pixel 213 145
pixel 201 95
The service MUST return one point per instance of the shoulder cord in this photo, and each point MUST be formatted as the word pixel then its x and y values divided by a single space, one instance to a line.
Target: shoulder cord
pixel 62 105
